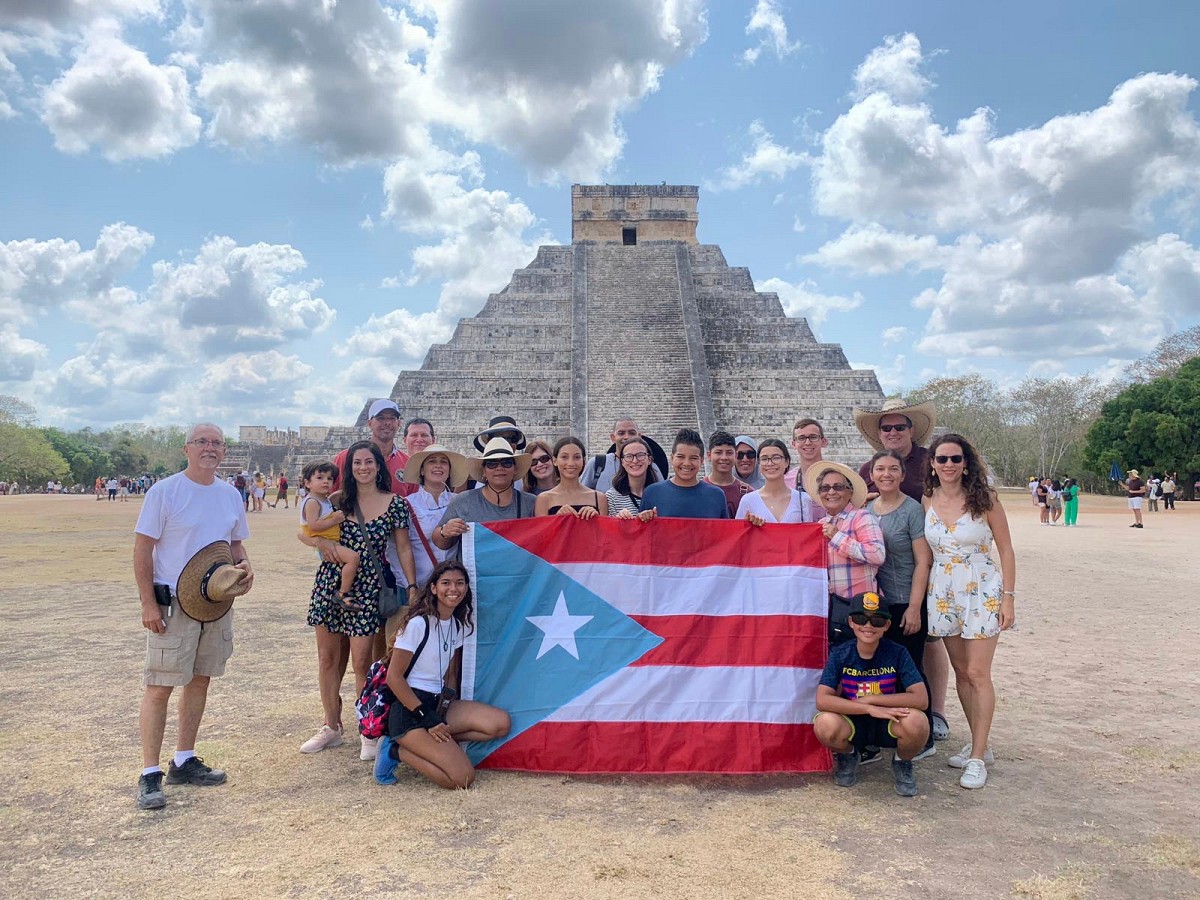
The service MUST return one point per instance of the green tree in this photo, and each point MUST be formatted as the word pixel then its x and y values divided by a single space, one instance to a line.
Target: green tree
pixel 88 460
pixel 1151 427
pixel 27 457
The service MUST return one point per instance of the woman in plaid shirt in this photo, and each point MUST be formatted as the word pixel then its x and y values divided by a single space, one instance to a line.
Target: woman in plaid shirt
pixel 856 548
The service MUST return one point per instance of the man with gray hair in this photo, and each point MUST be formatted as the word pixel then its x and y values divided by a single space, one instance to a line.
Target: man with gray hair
pixel 180 516
pixel 600 471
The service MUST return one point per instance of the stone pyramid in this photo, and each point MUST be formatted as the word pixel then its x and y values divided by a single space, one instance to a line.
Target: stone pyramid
pixel 636 318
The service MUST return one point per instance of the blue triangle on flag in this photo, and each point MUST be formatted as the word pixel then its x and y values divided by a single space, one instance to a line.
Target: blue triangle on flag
pixel 519 667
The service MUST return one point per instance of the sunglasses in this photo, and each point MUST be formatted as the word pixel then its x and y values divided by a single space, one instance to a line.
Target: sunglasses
pixel 747 454
pixel 900 427
pixel 500 464
pixel 873 621
pixel 540 460
pixel 832 488
pixel 942 460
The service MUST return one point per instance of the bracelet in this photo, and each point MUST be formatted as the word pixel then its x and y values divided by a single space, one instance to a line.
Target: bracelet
pixel 1012 594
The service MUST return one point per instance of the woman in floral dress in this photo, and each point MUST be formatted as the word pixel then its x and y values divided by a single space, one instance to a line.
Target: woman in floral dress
pixel 970 601
pixel 368 491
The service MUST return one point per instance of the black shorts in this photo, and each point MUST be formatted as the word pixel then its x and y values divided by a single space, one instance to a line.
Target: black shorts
pixel 870 731
pixel 401 721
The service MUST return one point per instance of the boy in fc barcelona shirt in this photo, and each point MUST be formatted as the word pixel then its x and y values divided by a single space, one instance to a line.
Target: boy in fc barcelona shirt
pixel 871 693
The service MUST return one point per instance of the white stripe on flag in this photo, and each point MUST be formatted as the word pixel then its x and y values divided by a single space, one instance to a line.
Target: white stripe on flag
pixel 697 694
pixel 789 591
pixel 466 688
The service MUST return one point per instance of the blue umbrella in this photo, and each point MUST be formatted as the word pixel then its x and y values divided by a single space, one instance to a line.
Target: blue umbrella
pixel 1115 473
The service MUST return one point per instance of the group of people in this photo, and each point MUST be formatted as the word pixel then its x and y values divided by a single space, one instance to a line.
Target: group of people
pixel 1055 499
pixel 254 489
pixel 919 558
pixel 121 488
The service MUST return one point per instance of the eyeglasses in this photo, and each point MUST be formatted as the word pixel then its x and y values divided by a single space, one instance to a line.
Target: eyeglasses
pixel 540 460
pixel 635 457
pixel 901 427
pixel 500 464
pixel 954 458
pixel 873 621
pixel 832 488
pixel 747 454
pixel 807 439
pixel 770 460
pixel 205 443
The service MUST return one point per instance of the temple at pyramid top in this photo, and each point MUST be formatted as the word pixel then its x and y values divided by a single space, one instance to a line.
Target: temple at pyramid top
pixel 638 319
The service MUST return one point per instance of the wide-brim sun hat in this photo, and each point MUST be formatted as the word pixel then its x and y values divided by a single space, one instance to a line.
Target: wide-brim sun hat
pixel 459 467
pixel 210 582
pixel 922 415
pixel 499 448
pixel 1134 473
pixel 500 425
pixel 812 479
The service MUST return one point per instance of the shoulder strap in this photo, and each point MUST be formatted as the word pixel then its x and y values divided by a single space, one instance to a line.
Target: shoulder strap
pixel 412 517
pixel 416 653
pixel 370 550
pixel 598 464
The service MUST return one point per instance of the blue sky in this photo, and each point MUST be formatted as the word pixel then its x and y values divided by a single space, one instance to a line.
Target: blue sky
pixel 258 211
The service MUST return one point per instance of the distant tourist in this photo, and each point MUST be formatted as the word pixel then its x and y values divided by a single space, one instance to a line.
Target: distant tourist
pixel 746 460
pixel 1135 490
pixel 808 440
pixel 112 486
pixel 1168 491
pixel 1071 503
pixel 629 484
pixel 281 492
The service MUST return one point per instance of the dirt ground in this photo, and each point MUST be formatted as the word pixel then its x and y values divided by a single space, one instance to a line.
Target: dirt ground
pixel 1094 792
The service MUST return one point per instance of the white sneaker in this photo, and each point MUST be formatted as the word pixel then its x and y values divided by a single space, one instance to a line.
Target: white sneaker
pixel 370 748
pixel 974 775
pixel 960 759
pixel 324 739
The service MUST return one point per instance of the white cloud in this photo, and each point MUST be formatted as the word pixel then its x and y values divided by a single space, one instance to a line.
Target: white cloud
pixel 802 299
pixel 891 375
pixel 766 20
pixel 548 80
pixel 67 14
pixel 894 69
pixel 895 334
pixel 113 98
pixel 765 159
pixel 19 356
pixel 1038 234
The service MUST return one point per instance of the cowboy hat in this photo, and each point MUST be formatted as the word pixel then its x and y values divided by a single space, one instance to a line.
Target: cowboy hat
pixel 922 416
pixel 499 448
pixel 210 582
pixel 458 464
pixel 812 479
pixel 501 425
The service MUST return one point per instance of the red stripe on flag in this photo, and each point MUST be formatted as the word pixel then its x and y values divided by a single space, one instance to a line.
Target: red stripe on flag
pixel 662 748
pixel 686 543
pixel 786 641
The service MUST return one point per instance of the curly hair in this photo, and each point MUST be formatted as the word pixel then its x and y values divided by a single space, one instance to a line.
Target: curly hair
pixel 383 481
pixel 426 603
pixel 978 497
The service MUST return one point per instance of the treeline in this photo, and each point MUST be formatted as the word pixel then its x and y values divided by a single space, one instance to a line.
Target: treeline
pixel 33 455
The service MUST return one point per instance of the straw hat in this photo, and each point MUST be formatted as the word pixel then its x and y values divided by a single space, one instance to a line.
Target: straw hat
pixel 922 416
pixel 458 464
pixel 1133 473
pixel 210 582
pixel 499 448
pixel 812 478
pixel 500 425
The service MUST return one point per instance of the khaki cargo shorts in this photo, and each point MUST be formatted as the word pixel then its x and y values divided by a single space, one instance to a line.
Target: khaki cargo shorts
pixel 188 648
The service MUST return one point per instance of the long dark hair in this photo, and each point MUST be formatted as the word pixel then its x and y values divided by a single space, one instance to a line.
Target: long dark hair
pixel 426 603
pixel 978 496
pixel 620 481
pixel 383 481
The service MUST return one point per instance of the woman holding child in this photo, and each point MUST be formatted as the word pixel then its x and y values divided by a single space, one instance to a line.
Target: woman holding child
pixel 569 497
pixel 970 601
pixel 373 517
pixel 427 719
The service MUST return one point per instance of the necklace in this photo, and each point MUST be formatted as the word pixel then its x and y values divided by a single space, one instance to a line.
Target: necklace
pixel 445 636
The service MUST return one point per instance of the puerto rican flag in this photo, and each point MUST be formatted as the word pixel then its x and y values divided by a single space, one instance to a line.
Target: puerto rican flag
pixel 677 645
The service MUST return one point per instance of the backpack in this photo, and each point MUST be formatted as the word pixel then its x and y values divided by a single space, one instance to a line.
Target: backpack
pixel 375 702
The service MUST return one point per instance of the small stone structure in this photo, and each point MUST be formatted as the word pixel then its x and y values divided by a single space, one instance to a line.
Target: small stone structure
pixel 636 318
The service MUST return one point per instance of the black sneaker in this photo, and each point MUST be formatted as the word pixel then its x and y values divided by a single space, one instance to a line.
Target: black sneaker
pixel 846 773
pixel 869 755
pixel 906 781
pixel 194 771
pixel 150 792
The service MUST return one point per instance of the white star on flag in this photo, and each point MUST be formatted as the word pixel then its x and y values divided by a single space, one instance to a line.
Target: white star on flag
pixel 558 630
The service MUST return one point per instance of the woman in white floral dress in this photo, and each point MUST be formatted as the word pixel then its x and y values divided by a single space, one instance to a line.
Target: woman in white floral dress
pixel 970 599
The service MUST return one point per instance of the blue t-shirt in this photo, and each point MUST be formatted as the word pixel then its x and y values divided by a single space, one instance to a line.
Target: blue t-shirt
pixel 890 671
pixel 700 501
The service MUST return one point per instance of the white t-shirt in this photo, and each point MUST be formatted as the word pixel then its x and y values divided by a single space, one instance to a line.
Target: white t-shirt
pixel 183 517
pixel 430 669
pixel 428 512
